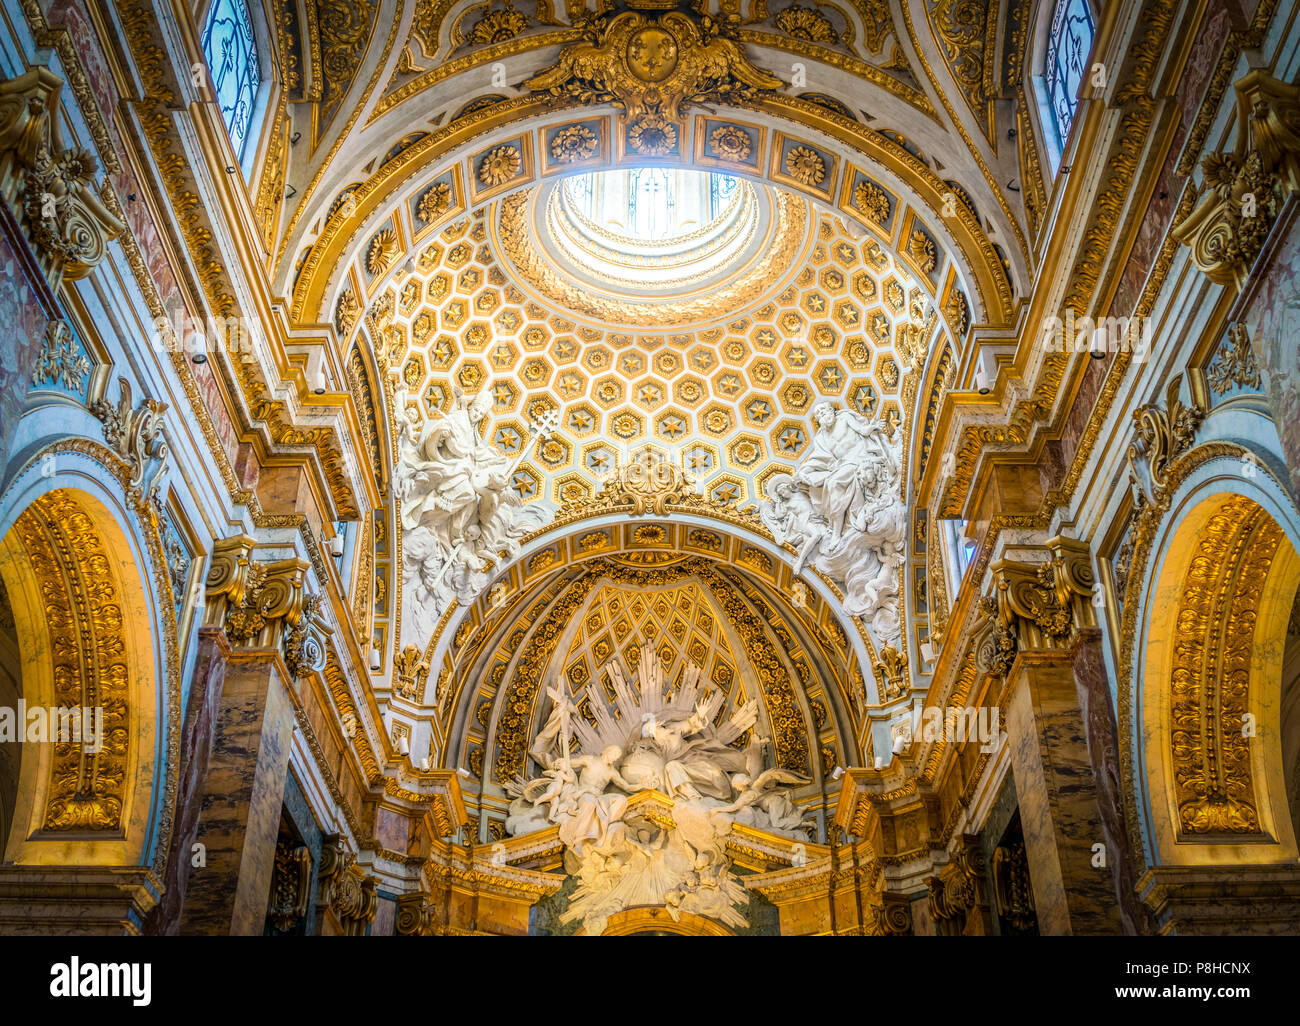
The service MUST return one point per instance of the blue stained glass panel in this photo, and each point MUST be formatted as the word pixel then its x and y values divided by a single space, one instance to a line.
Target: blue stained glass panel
pixel 1067 52
pixel 230 48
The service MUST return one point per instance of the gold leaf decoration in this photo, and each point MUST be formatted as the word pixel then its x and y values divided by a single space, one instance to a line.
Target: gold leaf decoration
pixel 434 203
pixel 870 200
pixel 500 165
pixel 805 166
pixel 806 23
pixel 731 143
pixel 573 143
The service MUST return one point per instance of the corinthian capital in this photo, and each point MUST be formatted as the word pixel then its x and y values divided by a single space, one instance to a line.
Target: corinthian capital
pixel 1037 606
pixel 50 187
pixel 1245 187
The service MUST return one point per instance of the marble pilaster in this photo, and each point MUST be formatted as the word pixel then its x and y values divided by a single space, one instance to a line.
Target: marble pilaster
pixel 239 815
pixel 1059 807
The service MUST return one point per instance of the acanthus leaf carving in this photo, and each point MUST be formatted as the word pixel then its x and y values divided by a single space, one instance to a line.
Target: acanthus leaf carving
pixel 49 186
pixel 1246 187
pixel 135 434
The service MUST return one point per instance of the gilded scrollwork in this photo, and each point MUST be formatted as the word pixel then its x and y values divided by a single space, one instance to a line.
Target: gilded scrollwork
pixel 1246 186
pixel 50 187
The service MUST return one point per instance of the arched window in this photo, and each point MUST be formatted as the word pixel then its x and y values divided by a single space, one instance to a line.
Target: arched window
pixel 230 48
pixel 1068 46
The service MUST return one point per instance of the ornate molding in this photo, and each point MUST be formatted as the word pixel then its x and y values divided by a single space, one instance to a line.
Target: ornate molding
pixel 49 186
pixel 1246 187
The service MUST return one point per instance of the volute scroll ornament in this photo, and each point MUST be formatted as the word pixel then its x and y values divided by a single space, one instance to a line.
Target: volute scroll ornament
pixel 1161 435
pixel 135 434
pixel 345 888
pixel 264 604
pixel 49 187
pixel 1246 187
pixel 1037 606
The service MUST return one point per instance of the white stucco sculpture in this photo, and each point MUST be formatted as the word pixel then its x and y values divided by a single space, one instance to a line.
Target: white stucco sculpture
pixel 623 854
pixel 458 510
pixel 842 510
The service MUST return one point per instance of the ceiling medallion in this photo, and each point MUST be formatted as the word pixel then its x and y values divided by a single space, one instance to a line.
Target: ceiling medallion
pixel 654 64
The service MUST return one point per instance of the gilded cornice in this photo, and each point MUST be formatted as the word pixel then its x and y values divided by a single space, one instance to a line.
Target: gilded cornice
pixel 196 231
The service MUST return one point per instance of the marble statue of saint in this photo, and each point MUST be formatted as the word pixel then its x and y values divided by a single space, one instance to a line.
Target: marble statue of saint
pixel 457 508
pixel 842 510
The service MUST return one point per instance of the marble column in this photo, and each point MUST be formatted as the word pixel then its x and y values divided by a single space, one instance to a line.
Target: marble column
pixel 242 795
pixel 1059 806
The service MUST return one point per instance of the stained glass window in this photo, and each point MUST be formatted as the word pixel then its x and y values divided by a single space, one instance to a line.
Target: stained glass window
pixel 231 51
pixel 1067 52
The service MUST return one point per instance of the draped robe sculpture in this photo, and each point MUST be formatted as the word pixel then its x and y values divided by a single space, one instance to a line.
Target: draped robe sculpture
pixel 457 510
pixel 671 745
pixel 842 510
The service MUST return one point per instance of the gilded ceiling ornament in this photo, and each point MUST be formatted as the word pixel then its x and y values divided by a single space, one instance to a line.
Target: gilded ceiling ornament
pixel 412 670
pixel 962 28
pixel 648 62
pixel 806 23
pixel 435 202
pixel 920 247
pixel 383 249
pixel 60 362
pixel 731 143
pixel 498 26
pixel 652 136
pixel 1245 188
pixel 346 312
pixel 573 143
pixel 871 201
pixel 957 310
pixel 500 165
pixel 805 166
pixel 890 668
pixel 341 31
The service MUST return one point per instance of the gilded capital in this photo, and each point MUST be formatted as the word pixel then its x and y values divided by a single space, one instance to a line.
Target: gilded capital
pixel 1246 186
pixel 48 186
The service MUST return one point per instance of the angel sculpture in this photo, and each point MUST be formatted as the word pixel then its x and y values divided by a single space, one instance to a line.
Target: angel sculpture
pixel 764 789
